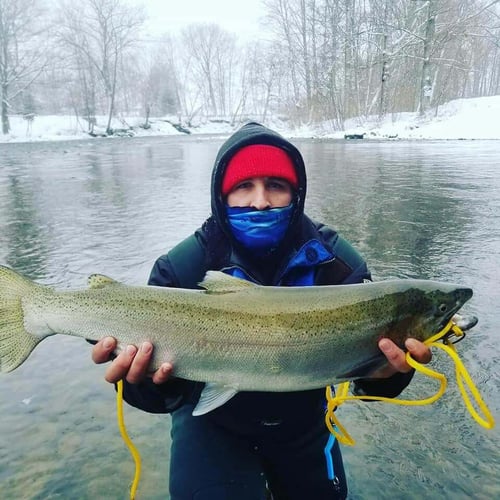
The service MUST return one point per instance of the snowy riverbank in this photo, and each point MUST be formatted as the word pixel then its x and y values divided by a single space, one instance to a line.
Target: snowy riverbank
pixel 460 119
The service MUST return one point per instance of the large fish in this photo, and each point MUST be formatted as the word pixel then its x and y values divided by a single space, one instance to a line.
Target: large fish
pixel 235 335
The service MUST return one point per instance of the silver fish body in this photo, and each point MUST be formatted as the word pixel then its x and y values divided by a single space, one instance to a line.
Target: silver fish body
pixel 234 334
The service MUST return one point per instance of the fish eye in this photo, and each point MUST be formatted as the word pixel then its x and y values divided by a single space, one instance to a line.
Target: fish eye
pixel 443 308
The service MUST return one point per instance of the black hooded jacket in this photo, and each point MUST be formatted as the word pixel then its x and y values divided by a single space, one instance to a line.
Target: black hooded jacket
pixel 307 247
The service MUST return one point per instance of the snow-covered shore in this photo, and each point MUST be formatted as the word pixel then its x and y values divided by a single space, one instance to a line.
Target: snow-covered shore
pixel 476 118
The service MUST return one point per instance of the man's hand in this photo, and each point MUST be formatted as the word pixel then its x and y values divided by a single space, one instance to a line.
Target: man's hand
pixel 131 364
pixel 397 357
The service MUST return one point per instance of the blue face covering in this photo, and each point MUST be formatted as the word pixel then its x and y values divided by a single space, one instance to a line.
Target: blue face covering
pixel 259 230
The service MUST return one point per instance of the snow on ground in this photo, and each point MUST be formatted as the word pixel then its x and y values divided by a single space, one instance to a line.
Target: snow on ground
pixel 476 118
pixel 60 128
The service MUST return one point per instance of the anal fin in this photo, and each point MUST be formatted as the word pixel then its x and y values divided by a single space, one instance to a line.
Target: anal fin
pixel 212 397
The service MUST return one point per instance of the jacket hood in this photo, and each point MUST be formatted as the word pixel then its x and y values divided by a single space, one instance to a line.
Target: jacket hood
pixel 255 133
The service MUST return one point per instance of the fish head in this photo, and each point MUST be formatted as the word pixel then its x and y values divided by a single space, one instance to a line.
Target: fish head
pixel 435 304
pixel 447 303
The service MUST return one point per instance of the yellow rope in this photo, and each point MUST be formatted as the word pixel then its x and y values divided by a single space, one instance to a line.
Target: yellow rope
pixel 128 441
pixel 465 382
pixel 462 376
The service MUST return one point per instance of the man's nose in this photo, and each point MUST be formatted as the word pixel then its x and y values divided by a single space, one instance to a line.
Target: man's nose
pixel 260 200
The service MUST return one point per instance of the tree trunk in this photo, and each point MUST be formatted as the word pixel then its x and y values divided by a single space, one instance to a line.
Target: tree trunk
pixel 385 67
pixel 305 53
pixel 112 96
pixel 5 111
pixel 425 78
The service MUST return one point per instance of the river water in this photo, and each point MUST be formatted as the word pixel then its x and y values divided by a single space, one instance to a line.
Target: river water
pixel 414 209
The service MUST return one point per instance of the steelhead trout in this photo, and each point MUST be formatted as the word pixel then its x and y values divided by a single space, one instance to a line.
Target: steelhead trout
pixel 234 335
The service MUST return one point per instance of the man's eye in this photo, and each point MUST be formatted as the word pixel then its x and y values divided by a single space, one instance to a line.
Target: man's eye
pixel 276 185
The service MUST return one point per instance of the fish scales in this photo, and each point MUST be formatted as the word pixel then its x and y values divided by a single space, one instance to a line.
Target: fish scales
pixel 235 333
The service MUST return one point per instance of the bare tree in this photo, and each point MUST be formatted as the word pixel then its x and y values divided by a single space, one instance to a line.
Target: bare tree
pixel 212 54
pixel 282 19
pixel 99 32
pixel 155 75
pixel 23 50
pixel 266 69
pixel 438 45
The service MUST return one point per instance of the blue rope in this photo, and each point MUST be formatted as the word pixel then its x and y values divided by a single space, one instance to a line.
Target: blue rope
pixel 329 457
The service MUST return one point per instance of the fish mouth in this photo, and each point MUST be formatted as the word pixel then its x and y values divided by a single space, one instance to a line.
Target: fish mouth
pixel 465 322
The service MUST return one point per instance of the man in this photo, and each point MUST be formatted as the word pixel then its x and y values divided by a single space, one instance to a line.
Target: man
pixel 257 231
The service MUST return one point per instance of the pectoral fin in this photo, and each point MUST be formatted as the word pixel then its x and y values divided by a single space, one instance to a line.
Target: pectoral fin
pixel 212 397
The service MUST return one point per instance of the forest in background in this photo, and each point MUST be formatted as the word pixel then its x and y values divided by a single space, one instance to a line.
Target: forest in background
pixel 315 61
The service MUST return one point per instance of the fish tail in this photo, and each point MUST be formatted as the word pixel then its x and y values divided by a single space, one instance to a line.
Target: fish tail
pixel 16 343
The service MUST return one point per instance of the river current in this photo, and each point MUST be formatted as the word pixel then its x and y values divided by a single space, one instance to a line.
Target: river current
pixel 413 209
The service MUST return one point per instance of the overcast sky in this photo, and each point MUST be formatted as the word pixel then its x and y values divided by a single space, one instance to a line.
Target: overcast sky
pixel 239 17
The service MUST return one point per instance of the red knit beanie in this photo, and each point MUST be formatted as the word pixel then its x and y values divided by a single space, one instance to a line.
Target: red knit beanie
pixel 258 160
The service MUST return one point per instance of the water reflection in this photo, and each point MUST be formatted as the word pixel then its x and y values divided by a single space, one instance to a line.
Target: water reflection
pixel 24 232
pixel 403 209
pixel 427 210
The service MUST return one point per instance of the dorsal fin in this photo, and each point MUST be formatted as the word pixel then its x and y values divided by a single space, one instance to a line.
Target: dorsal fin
pixel 100 281
pixel 219 282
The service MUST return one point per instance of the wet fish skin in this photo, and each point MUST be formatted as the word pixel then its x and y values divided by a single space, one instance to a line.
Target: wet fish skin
pixel 233 334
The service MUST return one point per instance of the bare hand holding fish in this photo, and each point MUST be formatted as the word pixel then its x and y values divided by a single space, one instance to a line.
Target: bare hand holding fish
pixel 132 364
